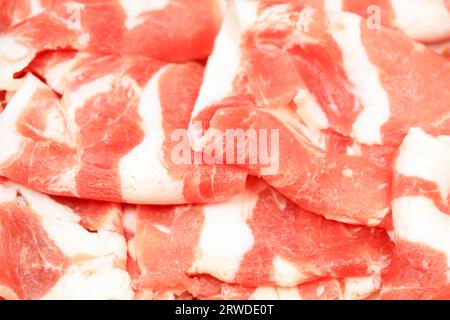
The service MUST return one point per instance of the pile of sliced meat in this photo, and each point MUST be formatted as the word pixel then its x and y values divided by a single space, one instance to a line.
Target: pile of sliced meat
pixel 132 159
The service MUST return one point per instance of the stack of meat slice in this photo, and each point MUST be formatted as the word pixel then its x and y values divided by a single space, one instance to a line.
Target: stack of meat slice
pixel 257 244
pixel 420 266
pixel 60 248
pixel 104 130
pixel 118 179
pixel 337 92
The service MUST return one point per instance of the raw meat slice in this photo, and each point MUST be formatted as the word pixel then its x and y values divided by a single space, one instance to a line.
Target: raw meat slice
pixel 422 20
pixel 205 287
pixel 170 30
pixel 16 11
pixel 338 186
pixel 47 254
pixel 304 69
pixel 112 135
pixel 320 71
pixel 420 266
pixel 257 239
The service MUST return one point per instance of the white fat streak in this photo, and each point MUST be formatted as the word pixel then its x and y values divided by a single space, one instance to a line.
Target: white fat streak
pixel 55 126
pixel 95 275
pixel 61 225
pixel 310 111
pixel 333 5
pixel 14 56
pixel 97 279
pixel 7 194
pixel 129 219
pixel 422 20
pixel 78 98
pixel 135 9
pixel 225 61
pixel 56 75
pixel 7 293
pixel 418 220
pixel 143 177
pixel 423 156
pixel 36 7
pixel 360 288
pixel 275 293
pixel 64 180
pixel 286 273
pixel 345 29
pixel 225 237
pixel 10 139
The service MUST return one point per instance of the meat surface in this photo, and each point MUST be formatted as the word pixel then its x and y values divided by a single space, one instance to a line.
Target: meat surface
pixel 257 239
pixel 47 253
pixel 325 81
pixel 111 134
pixel 225 149
pixel 170 30
pixel 426 21
pixel 421 212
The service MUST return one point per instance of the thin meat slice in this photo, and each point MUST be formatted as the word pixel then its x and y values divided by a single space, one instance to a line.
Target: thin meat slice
pixel 420 266
pixel 304 69
pixel 426 21
pixel 15 11
pixel 112 135
pixel 170 30
pixel 341 187
pixel 46 253
pixel 257 239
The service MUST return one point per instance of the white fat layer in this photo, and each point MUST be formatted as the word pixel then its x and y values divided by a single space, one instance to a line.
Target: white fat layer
pixel 36 7
pixel 96 257
pixel 418 220
pixel 143 176
pixel 423 156
pixel 135 9
pixel 97 279
pixel 422 20
pixel 56 75
pixel 61 225
pixel 14 56
pixel 286 273
pixel 444 139
pixel 55 126
pixel 333 5
pixel 129 220
pixel 7 194
pixel 225 237
pixel 225 61
pixel 78 98
pixel 9 137
pixel 345 29
pixel 310 111
pixel 360 288
pixel 275 293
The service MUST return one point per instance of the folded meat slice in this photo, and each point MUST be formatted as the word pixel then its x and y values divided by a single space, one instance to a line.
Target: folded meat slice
pixel 112 134
pixel 325 79
pixel 47 253
pixel 420 266
pixel 426 21
pixel 257 239
pixel 170 30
